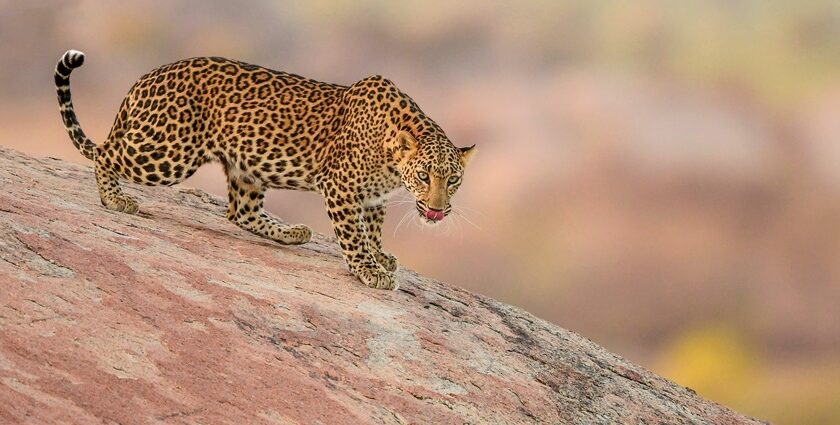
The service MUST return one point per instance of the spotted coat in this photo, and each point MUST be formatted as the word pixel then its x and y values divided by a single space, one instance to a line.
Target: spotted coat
pixel 269 129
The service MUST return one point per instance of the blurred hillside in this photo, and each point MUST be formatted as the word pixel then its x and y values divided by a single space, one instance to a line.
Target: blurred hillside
pixel 661 177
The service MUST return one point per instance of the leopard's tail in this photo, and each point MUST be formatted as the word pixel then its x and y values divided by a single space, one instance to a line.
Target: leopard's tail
pixel 70 60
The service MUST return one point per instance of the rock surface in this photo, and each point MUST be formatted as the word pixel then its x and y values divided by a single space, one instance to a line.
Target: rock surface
pixel 177 316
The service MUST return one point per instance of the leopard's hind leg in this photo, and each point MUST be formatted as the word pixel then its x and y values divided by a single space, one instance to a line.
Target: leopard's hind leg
pixel 137 159
pixel 246 196
pixel 110 166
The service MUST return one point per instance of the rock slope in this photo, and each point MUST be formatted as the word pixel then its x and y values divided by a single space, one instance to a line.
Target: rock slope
pixel 177 316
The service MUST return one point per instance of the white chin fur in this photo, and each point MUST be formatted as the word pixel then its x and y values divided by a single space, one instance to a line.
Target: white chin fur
pixel 428 222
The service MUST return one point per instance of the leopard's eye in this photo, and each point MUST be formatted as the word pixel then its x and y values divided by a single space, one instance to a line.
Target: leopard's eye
pixel 454 179
pixel 423 176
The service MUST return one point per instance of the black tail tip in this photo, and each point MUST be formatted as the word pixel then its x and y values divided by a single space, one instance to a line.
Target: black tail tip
pixel 73 59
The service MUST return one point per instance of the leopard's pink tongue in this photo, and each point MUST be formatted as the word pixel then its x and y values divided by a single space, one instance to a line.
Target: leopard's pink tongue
pixel 434 215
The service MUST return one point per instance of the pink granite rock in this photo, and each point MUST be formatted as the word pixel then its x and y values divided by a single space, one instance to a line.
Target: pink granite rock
pixel 177 316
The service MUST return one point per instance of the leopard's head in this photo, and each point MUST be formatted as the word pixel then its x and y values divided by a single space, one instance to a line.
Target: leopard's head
pixel 432 170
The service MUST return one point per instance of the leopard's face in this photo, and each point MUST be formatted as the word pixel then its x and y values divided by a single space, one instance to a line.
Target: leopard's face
pixel 433 172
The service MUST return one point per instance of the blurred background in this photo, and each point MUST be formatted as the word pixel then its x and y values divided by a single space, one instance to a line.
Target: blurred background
pixel 661 177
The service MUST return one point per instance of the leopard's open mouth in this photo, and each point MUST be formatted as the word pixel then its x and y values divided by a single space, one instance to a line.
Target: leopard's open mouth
pixel 430 215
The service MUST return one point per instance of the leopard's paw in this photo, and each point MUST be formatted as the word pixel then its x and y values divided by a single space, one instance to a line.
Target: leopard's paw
pixel 387 260
pixel 375 277
pixel 122 203
pixel 295 235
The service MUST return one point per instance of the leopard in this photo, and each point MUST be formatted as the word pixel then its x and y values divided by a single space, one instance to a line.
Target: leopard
pixel 354 144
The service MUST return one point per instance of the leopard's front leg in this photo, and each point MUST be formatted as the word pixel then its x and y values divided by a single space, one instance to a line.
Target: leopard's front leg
pixel 374 219
pixel 347 217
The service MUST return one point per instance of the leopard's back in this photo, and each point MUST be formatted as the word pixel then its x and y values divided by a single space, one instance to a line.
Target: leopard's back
pixel 244 115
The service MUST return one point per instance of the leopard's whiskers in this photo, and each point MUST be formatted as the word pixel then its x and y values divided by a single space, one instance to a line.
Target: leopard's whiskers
pixel 399 202
pixel 464 208
pixel 404 217
pixel 451 226
pixel 458 212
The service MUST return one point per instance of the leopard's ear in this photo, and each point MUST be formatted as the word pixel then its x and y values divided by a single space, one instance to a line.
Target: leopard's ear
pixel 467 154
pixel 407 145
